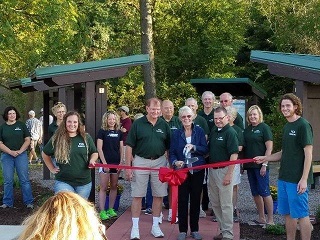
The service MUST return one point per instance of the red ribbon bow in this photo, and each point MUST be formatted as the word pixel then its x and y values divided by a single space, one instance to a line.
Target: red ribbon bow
pixel 174 179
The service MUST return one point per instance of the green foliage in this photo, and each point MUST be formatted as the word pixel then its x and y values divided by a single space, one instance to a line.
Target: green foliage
pixel 276 229
pixel 276 121
pixel 197 38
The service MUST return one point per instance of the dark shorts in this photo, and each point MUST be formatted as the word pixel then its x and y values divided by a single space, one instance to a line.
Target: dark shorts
pixel 259 185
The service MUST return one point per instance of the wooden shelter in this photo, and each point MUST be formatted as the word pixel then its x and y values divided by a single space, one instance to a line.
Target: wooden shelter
pixel 305 70
pixel 76 85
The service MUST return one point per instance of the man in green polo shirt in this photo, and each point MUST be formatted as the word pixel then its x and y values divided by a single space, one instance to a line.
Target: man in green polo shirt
pixel 295 171
pixel 223 146
pixel 197 119
pixel 149 139
pixel 225 101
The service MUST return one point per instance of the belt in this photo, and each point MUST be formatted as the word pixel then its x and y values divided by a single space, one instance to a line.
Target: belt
pixel 218 167
pixel 151 158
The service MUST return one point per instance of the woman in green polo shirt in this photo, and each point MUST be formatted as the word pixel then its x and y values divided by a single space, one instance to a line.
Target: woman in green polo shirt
pixel 74 150
pixel 14 141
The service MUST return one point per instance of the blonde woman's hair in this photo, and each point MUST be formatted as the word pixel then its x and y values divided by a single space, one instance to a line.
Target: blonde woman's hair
pixel 105 116
pixel 232 111
pixel 65 216
pixel 255 107
pixel 57 106
pixel 61 140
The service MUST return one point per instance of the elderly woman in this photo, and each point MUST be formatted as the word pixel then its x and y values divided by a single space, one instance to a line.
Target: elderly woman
pixel 189 141
pixel 258 142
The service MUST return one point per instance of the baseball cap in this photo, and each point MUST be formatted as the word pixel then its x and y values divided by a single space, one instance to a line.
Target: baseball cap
pixel 124 108
pixel 32 113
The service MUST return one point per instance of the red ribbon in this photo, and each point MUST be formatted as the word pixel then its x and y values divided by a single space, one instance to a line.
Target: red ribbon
pixel 175 177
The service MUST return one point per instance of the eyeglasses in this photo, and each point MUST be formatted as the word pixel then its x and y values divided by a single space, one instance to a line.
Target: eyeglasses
pixel 186 116
pixel 224 101
pixel 220 118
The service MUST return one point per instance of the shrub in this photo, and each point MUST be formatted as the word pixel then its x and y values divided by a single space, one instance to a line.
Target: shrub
pixel 276 229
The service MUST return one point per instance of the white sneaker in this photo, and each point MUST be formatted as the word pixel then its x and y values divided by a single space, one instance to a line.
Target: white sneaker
pixel 135 234
pixel 160 218
pixel 202 213
pixel 156 232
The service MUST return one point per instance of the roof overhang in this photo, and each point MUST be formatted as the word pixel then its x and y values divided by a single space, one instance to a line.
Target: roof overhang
pixel 47 78
pixel 296 66
pixel 236 86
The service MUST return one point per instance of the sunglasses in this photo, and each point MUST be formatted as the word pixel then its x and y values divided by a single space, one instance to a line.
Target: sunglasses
pixel 186 116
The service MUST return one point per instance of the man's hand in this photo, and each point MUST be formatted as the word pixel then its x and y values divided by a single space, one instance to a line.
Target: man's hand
pixel 227 179
pixel 302 186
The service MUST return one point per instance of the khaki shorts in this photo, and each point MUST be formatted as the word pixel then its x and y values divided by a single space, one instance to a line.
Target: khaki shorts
pixel 140 178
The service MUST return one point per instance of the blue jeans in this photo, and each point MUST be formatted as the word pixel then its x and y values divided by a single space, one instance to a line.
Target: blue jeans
pixel 20 164
pixel 83 191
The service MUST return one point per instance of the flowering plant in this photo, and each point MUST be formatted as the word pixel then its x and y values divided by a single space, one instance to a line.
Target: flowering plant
pixel 119 189
pixel 274 193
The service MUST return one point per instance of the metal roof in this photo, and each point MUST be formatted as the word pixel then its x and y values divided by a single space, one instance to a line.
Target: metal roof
pixel 296 66
pixel 236 86
pixel 46 78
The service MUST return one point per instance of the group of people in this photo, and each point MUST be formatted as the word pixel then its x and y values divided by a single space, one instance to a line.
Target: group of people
pixel 159 139
pixel 216 137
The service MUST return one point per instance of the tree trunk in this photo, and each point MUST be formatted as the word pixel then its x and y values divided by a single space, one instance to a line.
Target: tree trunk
pixel 146 10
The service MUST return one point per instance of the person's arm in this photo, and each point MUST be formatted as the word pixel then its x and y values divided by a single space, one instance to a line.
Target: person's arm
pixel 302 184
pixel 99 148
pixel 93 158
pixel 229 174
pixel 271 158
pixel 269 147
pixel 25 144
pixel 5 149
pixel 128 162
pixel 47 160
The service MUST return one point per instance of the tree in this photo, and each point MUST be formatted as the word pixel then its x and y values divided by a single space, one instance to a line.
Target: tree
pixel 146 9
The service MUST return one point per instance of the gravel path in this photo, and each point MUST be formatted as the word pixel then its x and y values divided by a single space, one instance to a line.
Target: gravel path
pixel 245 201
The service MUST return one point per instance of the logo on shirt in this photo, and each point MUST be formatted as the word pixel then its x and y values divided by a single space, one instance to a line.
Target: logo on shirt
pixel 210 120
pixel 292 133
pixel 17 129
pixel 159 130
pixel 81 145
pixel 173 128
pixel 220 138
pixel 256 131
pixel 115 135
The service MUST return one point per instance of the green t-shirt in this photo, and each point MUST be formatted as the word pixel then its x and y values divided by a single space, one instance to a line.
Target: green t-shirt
pixel 222 144
pixel 52 128
pixel 239 134
pixel 202 122
pixel 208 118
pixel 76 172
pixel 255 139
pixel 174 123
pixel 149 141
pixel 13 135
pixel 239 121
pixel 296 135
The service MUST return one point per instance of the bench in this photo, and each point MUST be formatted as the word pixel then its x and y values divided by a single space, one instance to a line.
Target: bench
pixel 316 173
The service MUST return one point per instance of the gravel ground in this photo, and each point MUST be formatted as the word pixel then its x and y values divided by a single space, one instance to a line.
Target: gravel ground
pixel 246 204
